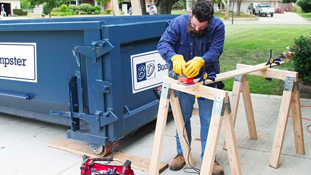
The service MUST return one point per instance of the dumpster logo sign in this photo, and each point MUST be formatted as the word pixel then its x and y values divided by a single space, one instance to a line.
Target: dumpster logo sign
pixel 148 70
pixel 18 61
pixel 145 71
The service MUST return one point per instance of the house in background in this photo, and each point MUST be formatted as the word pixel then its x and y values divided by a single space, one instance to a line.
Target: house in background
pixel 9 5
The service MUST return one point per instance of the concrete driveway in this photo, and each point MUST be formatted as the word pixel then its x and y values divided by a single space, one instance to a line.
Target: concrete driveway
pixel 285 18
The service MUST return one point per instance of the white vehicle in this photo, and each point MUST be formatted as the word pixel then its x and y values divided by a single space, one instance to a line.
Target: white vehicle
pixel 264 10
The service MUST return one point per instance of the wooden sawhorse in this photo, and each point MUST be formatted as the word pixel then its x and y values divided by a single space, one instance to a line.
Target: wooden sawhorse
pixel 290 99
pixel 221 116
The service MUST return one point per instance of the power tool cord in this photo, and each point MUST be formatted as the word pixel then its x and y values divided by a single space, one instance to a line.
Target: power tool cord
pixel 188 169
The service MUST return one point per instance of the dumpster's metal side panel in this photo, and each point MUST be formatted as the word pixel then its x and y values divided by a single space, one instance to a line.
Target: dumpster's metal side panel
pixel 37 116
pixel 132 39
pixel 55 65
pixel 106 20
pixel 52 26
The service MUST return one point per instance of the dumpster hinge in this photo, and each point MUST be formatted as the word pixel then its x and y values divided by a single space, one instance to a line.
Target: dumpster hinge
pixel 96 50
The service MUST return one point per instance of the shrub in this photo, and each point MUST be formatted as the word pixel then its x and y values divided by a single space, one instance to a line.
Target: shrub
pixel 54 13
pixel 82 12
pixel 85 7
pixel 302 57
pixel 122 13
pixel 63 8
pixel 93 9
pixel 97 12
pixel 98 8
pixel 75 12
pixel 69 13
pixel 56 9
pixel 108 10
pixel 73 7
pixel 89 12
pixel 305 5
pixel 63 13
pixel 18 12
pixel 25 12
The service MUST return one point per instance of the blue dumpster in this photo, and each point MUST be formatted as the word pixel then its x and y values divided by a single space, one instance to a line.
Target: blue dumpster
pixel 96 75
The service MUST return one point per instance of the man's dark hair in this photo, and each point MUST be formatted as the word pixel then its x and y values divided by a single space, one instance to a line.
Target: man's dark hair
pixel 203 11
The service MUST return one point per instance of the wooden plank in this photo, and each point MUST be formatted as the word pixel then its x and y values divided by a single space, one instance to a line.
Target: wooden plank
pixel 159 134
pixel 238 72
pixel 182 133
pixel 136 7
pixel 234 73
pixel 297 122
pixel 248 108
pixel 280 129
pixel 271 73
pixel 115 7
pixel 211 144
pixel 232 150
pixel 199 90
pixel 83 149
pixel 235 99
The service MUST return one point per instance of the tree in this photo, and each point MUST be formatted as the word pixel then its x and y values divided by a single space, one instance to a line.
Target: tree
pixel 226 3
pixel 25 4
pixel 288 1
pixel 49 4
pixel 164 6
pixel 239 2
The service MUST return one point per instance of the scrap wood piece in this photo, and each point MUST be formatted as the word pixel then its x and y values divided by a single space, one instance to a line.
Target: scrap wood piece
pixel 83 149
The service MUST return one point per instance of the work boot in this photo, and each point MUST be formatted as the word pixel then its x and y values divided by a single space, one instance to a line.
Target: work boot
pixel 217 170
pixel 177 163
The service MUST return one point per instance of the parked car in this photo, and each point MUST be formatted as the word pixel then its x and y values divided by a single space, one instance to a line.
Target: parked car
pixel 264 10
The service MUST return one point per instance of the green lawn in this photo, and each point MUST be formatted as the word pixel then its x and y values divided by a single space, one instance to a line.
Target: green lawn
pixel 250 44
pixel 306 15
pixel 218 14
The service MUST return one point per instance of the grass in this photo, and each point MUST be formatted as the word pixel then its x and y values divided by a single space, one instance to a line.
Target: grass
pixel 306 15
pixel 303 14
pixel 250 44
pixel 220 15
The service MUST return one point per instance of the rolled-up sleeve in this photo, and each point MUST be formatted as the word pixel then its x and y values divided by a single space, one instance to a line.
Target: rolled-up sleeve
pixel 217 44
pixel 168 41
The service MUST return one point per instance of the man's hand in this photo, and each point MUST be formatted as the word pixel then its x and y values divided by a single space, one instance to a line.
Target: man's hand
pixel 193 67
pixel 178 64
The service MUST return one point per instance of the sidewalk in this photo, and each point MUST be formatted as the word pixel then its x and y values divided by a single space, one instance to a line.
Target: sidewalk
pixel 24 150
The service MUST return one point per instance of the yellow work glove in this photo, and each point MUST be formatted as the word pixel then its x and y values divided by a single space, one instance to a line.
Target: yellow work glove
pixel 178 64
pixel 193 67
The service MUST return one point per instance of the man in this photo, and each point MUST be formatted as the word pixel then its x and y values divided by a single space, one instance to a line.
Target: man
pixel 192 44
pixel 3 13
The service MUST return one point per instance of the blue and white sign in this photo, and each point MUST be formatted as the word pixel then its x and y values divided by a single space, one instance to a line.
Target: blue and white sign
pixel 148 70
pixel 18 61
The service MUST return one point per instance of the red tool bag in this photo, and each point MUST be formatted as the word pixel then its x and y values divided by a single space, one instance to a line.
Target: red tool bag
pixel 102 166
